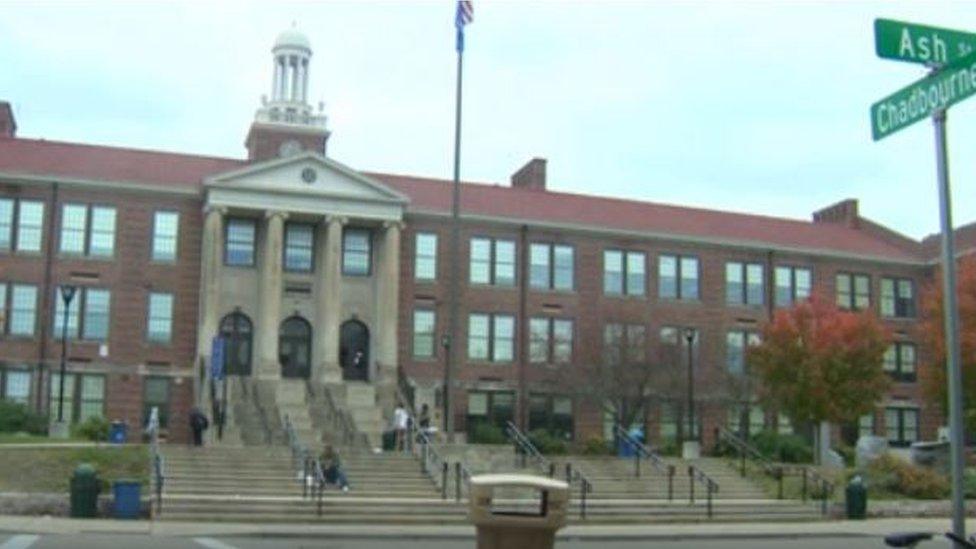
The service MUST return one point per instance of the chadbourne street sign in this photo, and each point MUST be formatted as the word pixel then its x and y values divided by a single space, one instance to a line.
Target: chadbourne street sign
pixel 950 85
pixel 921 43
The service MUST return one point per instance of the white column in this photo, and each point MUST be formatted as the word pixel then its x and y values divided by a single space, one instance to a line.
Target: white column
pixel 210 265
pixel 387 309
pixel 305 80
pixel 329 299
pixel 269 296
pixel 295 90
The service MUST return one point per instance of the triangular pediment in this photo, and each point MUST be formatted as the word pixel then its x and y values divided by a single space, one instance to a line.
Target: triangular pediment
pixel 306 174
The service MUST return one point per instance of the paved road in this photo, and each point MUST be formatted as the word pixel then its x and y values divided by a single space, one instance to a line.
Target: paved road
pixel 125 541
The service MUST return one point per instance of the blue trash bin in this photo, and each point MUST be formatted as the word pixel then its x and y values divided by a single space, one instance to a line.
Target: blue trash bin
pixel 127 495
pixel 625 449
pixel 118 433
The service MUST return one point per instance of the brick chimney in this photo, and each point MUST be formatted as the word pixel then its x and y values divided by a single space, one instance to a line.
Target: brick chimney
pixel 8 126
pixel 843 212
pixel 531 176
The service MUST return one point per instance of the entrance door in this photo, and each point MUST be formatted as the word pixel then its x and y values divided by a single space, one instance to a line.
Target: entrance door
pixel 354 351
pixel 294 347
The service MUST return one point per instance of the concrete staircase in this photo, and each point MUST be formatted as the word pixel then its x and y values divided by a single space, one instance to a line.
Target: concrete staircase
pixel 291 400
pixel 255 484
pixel 359 400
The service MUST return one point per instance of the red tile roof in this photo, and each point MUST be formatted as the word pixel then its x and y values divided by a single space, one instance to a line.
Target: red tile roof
pixel 73 160
pixel 111 164
pixel 965 242
pixel 631 215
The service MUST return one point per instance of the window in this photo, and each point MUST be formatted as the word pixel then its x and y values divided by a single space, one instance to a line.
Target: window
pixel 899 361
pixel 735 350
pixel 235 328
pixel 551 413
pixel 22 309
pixel 425 257
pixel 491 337
pixel 156 394
pixel 84 396
pixel 550 340
pixel 28 217
pixel 551 266
pixel 166 226
pixel 299 242
pixel 424 321
pixel 677 277
pixel 756 419
pixel 88 314
pixel 160 324
pixel 865 425
pixel 239 242
pixel 624 272
pixel 356 252
pixel 674 347
pixel 901 425
pixel 494 408
pixel 492 261
pixel 624 343
pixel 16 386
pixel 744 284
pixel 897 298
pixel 792 285
pixel 670 412
pixel 853 291
pixel 88 230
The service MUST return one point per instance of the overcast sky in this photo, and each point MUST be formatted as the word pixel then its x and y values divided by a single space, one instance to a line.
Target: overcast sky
pixel 758 107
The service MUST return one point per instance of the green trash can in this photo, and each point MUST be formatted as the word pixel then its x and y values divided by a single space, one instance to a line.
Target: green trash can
pixel 856 499
pixel 84 491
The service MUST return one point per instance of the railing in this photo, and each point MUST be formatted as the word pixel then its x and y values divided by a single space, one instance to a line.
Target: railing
pixel 342 423
pixel 300 456
pixel 432 463
pixel 711 487
pixel 642 452
pixel 462 477
pixel 318 485
pixel 155 461
pixel 824 488
pixel 525 449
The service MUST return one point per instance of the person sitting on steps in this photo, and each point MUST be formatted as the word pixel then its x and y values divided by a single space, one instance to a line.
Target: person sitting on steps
pixel 332 469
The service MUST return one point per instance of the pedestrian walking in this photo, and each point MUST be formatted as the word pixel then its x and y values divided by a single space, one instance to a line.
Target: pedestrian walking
pixel 198 424
pixel 401 421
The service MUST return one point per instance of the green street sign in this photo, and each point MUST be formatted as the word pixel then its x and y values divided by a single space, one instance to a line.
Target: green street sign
pixel 953 83
pixel 921 43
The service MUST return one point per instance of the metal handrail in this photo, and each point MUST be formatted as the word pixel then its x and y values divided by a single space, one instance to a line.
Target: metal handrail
pixel 299 453
pixel 524 447
pixel 641 452
pixel 778 471
pixel 432 463
pixel 343 423
pixel 695 474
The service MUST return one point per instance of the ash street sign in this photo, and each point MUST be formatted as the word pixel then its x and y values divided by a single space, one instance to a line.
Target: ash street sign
pixel 921 43
pixel 950 85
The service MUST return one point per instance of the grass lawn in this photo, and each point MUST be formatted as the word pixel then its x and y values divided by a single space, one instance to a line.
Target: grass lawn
pixel 49 469
pixel 25 438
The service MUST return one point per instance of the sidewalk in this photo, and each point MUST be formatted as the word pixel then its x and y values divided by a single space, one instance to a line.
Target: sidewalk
pixel 832 529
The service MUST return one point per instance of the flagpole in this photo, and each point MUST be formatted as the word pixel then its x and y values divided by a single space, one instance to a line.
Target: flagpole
pixel 452 347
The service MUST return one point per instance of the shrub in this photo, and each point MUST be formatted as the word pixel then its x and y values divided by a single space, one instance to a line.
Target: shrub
pixel 597 447
pixel 547 443
pixel 486 433
pixel 895 475
pixel 18 418
pixel 848 453
pixel 784 448
pixel 969 483
pixel 668 447
pixel 95 428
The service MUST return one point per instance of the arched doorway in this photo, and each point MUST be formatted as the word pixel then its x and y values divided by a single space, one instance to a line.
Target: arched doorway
pixel 354 351
pixel 295 347
pixel 236 330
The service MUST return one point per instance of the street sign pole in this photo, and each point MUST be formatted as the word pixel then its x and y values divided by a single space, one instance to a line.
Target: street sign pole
pixel 954 373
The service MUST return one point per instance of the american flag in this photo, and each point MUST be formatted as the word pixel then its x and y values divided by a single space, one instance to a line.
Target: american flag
pixel 464 16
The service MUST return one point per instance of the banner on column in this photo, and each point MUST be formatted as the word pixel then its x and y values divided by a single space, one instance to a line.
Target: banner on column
pixel 217 359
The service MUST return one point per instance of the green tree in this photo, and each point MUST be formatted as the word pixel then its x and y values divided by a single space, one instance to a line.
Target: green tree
pixel 817 363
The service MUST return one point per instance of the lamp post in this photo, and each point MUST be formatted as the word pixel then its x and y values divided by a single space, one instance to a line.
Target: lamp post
pixel 446 391
pixel 67 295
pixel 690 448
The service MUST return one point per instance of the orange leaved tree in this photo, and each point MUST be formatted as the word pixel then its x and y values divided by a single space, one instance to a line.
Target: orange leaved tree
pixel 817 363
pixel 933 334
